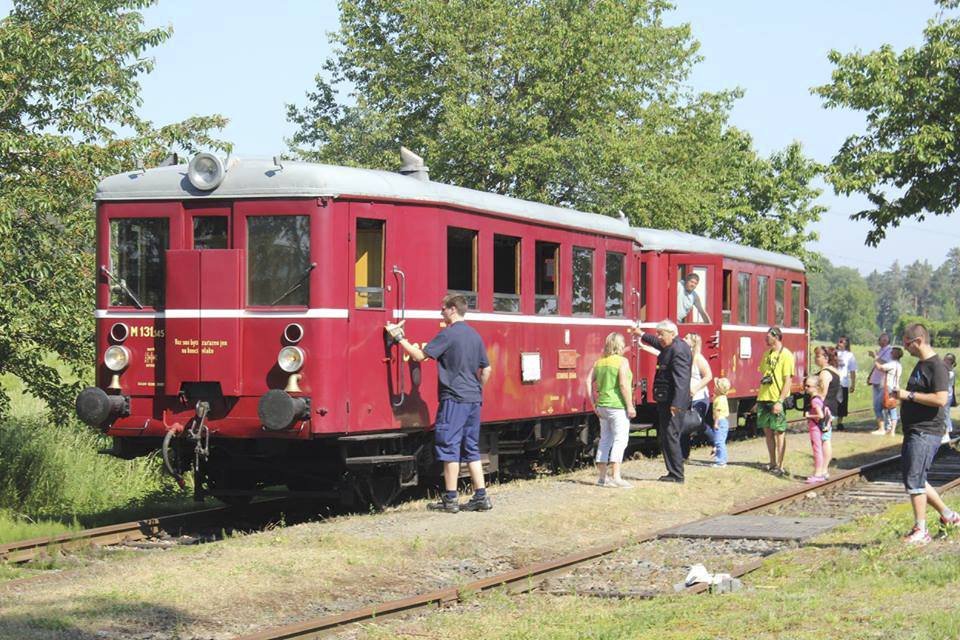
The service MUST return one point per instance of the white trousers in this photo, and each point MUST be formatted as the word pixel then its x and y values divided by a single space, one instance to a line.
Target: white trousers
pixel 614 431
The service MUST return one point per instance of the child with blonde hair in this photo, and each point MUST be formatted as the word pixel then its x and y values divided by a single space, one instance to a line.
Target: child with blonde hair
pixel 818 424
pixel 721 421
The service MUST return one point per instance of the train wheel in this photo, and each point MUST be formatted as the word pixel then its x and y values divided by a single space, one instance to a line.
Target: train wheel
pixel 379 491
pixel 566 457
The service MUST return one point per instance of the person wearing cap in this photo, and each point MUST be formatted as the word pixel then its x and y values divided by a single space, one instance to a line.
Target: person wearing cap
pixel 776 381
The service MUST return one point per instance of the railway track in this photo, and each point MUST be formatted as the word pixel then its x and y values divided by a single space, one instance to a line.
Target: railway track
pixel 869 488
pixel 210 522
pixel 171 526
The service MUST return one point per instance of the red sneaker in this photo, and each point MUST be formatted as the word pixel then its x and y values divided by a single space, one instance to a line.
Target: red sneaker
pixel 952 521
pixel 917 536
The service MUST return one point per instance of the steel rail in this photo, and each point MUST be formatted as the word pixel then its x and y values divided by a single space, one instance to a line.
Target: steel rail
pixel 526 578
pixel 26 550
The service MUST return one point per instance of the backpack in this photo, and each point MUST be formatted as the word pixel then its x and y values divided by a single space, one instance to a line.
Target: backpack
pixel 826 420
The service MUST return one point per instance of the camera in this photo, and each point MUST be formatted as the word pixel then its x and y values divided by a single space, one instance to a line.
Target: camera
pixel 767 379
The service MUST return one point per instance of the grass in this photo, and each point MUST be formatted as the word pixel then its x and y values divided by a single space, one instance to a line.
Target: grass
pixel 54 479
pixel 857 581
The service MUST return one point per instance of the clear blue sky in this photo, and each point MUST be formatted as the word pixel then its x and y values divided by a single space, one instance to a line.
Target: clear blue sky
pixel 247 59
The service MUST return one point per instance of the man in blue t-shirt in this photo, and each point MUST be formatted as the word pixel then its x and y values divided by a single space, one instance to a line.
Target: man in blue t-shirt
pixel 462 371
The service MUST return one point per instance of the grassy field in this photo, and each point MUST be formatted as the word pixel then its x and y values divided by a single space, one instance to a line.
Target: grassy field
pixel 856 582
pixel 54 478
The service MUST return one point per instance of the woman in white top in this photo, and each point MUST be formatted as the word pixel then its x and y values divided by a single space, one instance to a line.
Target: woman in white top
pixel 700 378
pixel 892 371
pixel 848 378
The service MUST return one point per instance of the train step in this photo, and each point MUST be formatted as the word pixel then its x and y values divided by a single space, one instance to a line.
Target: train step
pixel 376 461
pixel 372 436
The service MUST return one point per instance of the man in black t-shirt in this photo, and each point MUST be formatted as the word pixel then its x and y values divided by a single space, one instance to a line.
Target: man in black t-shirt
pixel 462 371
pixel 924 401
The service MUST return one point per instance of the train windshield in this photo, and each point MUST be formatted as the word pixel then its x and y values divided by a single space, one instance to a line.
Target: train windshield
pixel 278 256
pixel 137 247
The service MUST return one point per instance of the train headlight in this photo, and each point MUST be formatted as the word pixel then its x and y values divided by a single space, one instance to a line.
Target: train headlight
pixel 116 358
pixel 291 359
pixel 206 171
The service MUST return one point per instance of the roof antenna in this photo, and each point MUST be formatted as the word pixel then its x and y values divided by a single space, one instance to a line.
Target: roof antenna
pixel 277 161
pixel 622 215
pixel 413 165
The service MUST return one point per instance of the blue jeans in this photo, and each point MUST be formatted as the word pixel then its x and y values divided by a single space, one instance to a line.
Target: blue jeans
pixel 719 436
pixel 878 400
pixel 918 450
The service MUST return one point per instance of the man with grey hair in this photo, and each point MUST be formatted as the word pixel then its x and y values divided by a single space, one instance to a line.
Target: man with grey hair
pixel 671 390
pixel 924 402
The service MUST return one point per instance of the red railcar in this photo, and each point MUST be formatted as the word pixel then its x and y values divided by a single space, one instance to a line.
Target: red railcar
pixel 240 314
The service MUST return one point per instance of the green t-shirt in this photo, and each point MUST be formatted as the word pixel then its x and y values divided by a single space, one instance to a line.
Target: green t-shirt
pixel 605 372
pixel 778 364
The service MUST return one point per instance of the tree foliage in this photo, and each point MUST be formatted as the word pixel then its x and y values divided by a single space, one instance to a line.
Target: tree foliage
pixel 908 161
pixel 69 94
pixel 571 102
pixel 842 303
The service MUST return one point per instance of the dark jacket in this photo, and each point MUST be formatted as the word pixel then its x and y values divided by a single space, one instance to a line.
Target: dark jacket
pixel 672 383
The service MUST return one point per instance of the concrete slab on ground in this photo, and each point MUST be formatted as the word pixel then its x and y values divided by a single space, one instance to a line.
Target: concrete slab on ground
pixel 754 527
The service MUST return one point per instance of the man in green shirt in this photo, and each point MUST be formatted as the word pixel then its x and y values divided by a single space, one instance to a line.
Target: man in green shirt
pixel 776 379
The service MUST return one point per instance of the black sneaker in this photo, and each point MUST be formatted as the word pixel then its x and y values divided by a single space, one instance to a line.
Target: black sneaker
pixel 477 504
pixel 670 478
pixel 445 504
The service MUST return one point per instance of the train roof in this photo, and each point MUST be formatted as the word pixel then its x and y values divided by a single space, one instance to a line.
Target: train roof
pixel 662 240
pixel 256 178
pixel 262 178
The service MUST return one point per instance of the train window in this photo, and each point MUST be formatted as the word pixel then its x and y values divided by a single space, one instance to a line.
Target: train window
pixel 692 290
pixel 778 302
pixel 743 298
pixel 795 304
pixel 547 268
pixel 643 292
pixel 278 260
pixel 763 309
pixel 368 264
pixel 582 281
pixel 210 232
pixel 137 248
pixel 614 286
pixel 506 273
pixel 727 295
pixel 462 264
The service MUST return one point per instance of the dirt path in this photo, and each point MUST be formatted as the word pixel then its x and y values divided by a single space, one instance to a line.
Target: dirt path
pixel 252 582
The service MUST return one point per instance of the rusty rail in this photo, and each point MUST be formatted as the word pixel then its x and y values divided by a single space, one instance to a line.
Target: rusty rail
pixel 526 578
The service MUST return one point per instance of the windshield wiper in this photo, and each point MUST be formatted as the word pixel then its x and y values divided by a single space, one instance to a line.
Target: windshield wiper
pixel 306 272
pixel 122 285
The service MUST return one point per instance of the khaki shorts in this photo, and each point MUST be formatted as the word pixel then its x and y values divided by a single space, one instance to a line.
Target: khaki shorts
pixel 767 419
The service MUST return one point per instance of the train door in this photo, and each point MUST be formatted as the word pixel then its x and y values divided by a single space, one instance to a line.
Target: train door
pixel 694 293
pixel 204 285
pixel 640 361
pixel 376 365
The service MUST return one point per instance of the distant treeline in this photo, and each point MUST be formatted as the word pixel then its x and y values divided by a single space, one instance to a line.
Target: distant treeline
pixel 844 302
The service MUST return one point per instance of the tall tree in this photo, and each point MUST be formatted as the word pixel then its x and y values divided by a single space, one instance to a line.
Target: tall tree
pixel 841 303
pixel 578 103
pixel 908 161
pixel 68 84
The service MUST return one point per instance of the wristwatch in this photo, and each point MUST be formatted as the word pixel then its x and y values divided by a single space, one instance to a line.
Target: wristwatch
pixel 911 395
